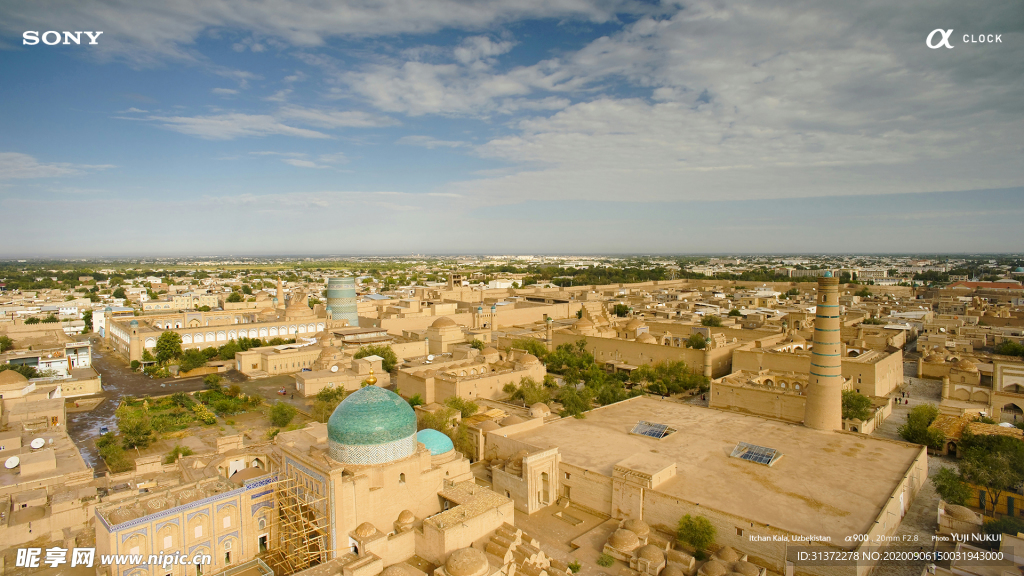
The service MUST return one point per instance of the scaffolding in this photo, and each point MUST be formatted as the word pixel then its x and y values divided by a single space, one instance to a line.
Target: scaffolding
pixel 302 529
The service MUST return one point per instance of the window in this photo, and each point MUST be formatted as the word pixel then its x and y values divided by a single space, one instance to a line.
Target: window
pixel 262 524
pixel 199 531
pixel 168 541
pixel 227 521
pixel 739 531
pixel 401 478
pixel 567 475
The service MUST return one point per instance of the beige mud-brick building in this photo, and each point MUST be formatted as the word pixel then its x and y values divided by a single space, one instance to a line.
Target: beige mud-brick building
pixel 821 483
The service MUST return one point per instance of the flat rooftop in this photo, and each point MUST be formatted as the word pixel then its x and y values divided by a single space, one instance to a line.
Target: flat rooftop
pixel 826 483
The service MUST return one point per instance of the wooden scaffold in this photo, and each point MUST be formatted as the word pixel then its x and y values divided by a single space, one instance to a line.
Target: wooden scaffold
pixel 302 528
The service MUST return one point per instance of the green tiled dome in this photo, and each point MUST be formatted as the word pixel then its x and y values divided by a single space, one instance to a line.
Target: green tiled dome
pixel 435 441
pixel 371 416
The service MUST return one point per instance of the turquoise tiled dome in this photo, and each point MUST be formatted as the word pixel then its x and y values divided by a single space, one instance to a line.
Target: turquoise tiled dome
pixel 372 426
pixel 435 441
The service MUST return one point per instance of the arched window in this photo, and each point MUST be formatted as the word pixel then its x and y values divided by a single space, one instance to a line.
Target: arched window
pixel 401 478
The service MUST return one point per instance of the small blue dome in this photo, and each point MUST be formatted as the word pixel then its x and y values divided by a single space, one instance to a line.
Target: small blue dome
pixel 435 441
pixel 828 274
pixel 133 323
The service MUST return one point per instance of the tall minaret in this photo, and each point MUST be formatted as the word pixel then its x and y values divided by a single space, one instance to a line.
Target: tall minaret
pixel 824 407
pixel 280 293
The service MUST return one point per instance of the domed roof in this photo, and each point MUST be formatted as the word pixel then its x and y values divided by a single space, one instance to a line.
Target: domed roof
pixel 746 568
pixel 365 530
pixel 530 359
pixel 395 570
pixel 966 365
pixel 487 425
pixel 713 568
pixel 443 322
pixel 369 416
pixel 934 359
pixel 727 554
pixel 634 324
pixel 513 419
pixel 638 527
pixel 652 554
pixel 466 562
pixel 646 338
pixel 539 409
pixel 624 540
pixel 488 351
pixel 12 377
pixel 406 517
pixel 435 441
pixel 961 513
pixel 672 570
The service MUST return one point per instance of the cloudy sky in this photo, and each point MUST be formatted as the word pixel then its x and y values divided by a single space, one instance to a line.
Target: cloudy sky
pixel 552 126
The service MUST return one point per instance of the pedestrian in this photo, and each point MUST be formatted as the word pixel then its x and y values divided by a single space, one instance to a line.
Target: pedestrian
pixel 293 396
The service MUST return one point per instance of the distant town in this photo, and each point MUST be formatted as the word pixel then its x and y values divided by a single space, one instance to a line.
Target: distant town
pixel 468 416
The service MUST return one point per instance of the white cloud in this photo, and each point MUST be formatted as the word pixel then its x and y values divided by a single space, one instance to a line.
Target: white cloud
pixel 478 48
pixel 302 163
pixel 279 96
pixel 431 142
pixel 224 91
pixel 17 165
pixel 234 125
pixel 335 118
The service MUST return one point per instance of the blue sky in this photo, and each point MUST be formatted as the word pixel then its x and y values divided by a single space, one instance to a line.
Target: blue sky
pixel 229 127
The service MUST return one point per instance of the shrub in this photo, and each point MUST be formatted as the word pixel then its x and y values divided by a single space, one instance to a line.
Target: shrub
pixel 696 341
pixel 477 343
pixel 856 406
pixel 575 566
pixel 135 365
pixel 203 414
pixel 605 560
pixel 281 414
pixel 382 350
pixel 697 531
pixel 417 400
pixel 212 381
pixel 711 320
pixel 465 407
pixel 178 450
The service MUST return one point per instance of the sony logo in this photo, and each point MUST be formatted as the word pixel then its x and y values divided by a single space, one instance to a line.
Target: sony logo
pixel 53 37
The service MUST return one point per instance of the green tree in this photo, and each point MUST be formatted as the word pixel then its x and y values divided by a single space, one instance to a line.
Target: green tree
pixel 477 343
pixel 735 312
pixel 574 402
pixel 465 407
pixel 87 318
pixel 382 350
pixel 213 381
pixel 281 414
pixel 532 346
pixel 135 426
pixel 135 365
pixel 951 487
pixel 696 341
pixel 856 406
pixel 168 346
pixel 863 292
pixel 995 463
pixel 119 293
pixel 50 319
pixel 204 308
pixel 916 429
pixel 228 351
pixel 6 343
pixel 178 450
pixel 530 392
pixel 32 320
pixel 620 310
pixel 190 359
pixel 711 320
pixel 234 297
pixel 696 531
pixel 23 369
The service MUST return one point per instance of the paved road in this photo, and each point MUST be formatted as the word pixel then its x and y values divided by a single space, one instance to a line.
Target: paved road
pixel 119 381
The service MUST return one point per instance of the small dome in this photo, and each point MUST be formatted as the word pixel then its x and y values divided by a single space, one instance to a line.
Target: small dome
pixel 435 441
pixel 12 377
pixel 797 338
pixel 539 409
pixel 638 527
pixel 395 570
pixel 443 322
pixel 133 323
pixel 466 562
pixel 634 324
pixel 513 419
pixel 488 351
pixel 406 517
pixel 727 554
pixel 966 365
pixel 934 359
pixel 652 554
pixel 746 568
pixel 487 425
pixel 713 568
pixel 646 338
pixel 529 359
pixel 961 513
pixel 624 540
pixel 671 570
pixel 365 530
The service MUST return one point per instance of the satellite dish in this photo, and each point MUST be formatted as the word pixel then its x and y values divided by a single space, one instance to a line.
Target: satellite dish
pixel 38 443
pixel 430 358
pixel 334 368
pixel 12 462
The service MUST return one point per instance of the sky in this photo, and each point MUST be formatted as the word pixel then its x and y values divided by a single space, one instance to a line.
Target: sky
pixel 216 127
